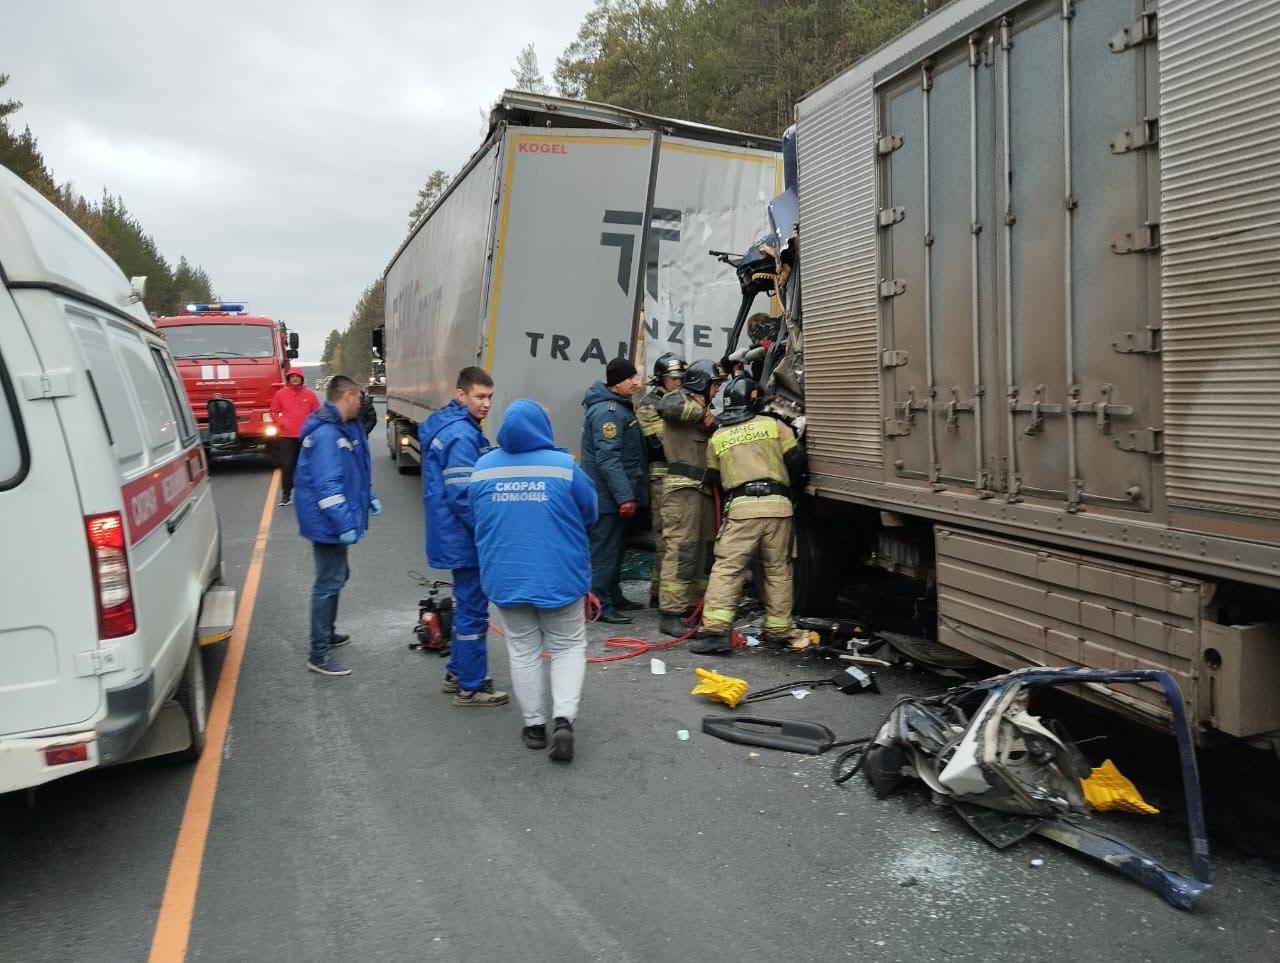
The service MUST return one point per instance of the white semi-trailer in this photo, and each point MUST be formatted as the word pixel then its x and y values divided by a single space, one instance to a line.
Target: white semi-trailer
pixel 576 233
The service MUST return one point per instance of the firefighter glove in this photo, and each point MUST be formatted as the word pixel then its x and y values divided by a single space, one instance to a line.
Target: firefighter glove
pixel 719 688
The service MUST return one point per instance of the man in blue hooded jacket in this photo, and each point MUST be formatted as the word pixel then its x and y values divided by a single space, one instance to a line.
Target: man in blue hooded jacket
pixel 333 498
pixel 451 441
pixel 532 506
pixel 613 456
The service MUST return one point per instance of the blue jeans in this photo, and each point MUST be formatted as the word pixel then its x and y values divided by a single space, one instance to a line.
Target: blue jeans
pixel 331 574
pixel 468 652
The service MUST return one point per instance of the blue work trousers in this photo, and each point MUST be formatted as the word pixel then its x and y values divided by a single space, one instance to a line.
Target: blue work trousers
pixel 468 652
pixel 331 574
pixel 607 536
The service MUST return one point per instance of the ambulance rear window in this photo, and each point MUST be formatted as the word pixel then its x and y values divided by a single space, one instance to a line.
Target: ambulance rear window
pixel 13 442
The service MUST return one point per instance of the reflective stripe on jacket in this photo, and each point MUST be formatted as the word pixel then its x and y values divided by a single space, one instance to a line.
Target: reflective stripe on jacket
pixel 749 451
pixel 532 506
pixel 332 484
pixel 450 442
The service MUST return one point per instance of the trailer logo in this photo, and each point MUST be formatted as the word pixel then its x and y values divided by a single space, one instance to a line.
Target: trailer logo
pixel 525 147
pixel 663 226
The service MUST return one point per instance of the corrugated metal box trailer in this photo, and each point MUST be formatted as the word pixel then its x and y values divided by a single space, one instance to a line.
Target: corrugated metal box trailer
pixel 571 223
pixel 1042 323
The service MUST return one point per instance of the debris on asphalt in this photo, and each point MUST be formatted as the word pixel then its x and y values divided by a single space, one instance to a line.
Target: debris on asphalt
pixel 719 688
pixel 1108 790
pixel 657 666
pixel 1037 862
pixel 682 735
pixel 1008 774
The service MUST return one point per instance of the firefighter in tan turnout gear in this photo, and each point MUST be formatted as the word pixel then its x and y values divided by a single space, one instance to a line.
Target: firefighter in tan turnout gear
pixel 668 372
pixel 687 522
pixel 758 461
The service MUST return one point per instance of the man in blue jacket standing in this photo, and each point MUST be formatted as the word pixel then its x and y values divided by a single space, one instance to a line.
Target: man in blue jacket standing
pixel 333 498
pixel 613 456
pixel 451 441
pixel 532 507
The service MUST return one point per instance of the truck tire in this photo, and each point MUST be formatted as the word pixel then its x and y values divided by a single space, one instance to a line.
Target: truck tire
pixel 193 696
pixel 813 568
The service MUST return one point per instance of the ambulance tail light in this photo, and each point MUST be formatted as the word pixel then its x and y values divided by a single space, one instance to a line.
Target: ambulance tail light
pixel 109 559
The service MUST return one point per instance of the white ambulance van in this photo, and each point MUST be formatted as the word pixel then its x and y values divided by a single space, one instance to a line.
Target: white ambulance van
pixel 109 546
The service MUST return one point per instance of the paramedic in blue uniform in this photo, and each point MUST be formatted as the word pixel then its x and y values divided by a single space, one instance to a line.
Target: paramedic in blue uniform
pixel 450 442
pixel 532 505
pixel 333 498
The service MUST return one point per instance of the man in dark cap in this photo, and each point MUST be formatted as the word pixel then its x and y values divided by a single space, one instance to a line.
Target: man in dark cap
pixel 613 457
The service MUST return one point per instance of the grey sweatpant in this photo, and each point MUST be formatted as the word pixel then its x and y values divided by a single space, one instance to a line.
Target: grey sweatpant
pixel 562 633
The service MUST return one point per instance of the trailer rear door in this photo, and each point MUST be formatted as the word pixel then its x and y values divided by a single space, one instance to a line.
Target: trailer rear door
pixel 565 291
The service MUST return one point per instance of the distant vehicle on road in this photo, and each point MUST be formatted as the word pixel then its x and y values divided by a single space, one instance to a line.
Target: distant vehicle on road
pixel 236 361
pixel 576 233
pixel 109 580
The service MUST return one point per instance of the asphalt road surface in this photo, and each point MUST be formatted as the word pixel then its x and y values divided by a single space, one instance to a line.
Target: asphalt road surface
pixel 366 818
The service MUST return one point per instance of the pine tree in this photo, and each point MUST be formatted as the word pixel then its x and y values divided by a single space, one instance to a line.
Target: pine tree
pixel 107 221
pixel 329 356
pixel 428 194
pixel 527 73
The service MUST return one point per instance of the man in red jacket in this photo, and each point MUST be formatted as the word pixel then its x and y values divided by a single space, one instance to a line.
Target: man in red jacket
pixel 290 407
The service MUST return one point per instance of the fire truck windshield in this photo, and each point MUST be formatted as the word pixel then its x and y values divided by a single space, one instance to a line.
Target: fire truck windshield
pixel 220 340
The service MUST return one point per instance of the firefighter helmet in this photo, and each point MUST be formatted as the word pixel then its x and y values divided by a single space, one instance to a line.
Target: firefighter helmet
pixel 741 400
pixel 701 375
pixel 669 365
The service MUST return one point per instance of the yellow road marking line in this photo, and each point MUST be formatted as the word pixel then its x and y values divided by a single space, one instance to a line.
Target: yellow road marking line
pixel 173 927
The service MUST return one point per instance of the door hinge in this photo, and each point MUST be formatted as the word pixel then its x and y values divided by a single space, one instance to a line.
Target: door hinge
pixel 1145 240
pixel 1146 441
pixel 1146 134
pixel 888 144
pixel 1146 341
pixel 894 359
pixel 892 215
pixel 48 384
pixel 892 288
pixel 98 661
pixel 1141 31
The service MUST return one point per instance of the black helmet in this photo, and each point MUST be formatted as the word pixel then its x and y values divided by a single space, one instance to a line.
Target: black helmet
pixel 700 376
pixel 669 365
pixel 741 400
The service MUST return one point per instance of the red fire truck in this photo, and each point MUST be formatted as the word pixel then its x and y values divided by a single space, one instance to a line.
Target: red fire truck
pixel 231 363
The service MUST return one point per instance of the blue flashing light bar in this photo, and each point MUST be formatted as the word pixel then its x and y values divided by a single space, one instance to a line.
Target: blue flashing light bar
pixel 221 308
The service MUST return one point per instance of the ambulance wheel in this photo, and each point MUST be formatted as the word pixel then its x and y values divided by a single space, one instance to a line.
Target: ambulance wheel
pixel 193 696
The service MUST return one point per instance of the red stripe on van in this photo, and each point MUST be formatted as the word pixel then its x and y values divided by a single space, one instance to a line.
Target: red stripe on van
pixel 153 497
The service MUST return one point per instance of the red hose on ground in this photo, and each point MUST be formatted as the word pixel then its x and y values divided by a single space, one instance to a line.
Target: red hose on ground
pixel 632 647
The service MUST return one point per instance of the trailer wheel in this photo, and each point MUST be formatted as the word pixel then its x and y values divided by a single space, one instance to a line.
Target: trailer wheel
pixel 406 466
pixel 813 568
pixel 193 696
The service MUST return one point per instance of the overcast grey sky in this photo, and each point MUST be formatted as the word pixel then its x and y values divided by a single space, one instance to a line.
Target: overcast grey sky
pixel 280 143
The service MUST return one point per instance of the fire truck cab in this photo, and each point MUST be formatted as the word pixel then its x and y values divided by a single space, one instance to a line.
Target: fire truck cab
pixel 231 363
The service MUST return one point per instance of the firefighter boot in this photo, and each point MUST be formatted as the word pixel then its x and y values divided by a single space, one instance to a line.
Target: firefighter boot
pixel 712 644
pixel 673 625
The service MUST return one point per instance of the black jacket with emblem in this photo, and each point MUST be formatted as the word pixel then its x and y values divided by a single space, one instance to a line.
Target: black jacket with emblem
pixel 612 449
